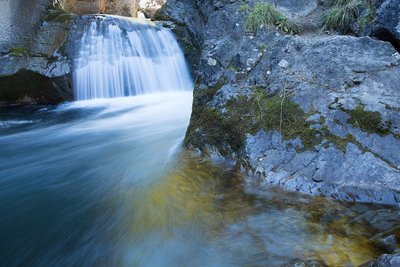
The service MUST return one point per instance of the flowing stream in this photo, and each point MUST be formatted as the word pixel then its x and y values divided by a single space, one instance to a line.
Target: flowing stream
pixel 106 182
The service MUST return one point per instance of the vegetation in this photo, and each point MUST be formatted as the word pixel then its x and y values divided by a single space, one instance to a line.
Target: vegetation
pixel 249 114
pixel 367 121
pixel 18 51
pixel 226 128
pixel 342 15
pixel 59 15
pixel 263 15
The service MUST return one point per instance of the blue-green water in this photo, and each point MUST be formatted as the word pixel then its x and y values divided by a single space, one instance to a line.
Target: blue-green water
pixel 106 183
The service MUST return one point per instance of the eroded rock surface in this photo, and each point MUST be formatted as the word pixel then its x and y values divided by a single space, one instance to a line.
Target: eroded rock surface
pixel 313 113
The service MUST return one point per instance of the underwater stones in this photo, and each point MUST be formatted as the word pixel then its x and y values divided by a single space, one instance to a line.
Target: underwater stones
pixel 389 244
pixel 386 260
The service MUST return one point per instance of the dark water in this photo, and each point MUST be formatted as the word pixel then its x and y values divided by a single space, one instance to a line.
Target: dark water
pixel 105 183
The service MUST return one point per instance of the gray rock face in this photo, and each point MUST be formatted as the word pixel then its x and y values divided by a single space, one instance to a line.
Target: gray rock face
pixel 346 90
pixel 130 8
pixel 37 70
pixel 19 19
pixel 387 24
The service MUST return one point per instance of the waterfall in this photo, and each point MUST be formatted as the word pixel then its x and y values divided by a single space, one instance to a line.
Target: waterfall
pixel 124 57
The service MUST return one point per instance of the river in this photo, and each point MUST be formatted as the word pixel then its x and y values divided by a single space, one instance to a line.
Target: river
pixel 107 183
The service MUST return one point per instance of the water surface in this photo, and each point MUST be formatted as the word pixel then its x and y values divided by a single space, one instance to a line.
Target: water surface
pixel 106 183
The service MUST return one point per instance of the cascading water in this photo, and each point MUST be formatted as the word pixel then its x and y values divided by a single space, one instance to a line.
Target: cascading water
pixel 125 57
pixel 104 183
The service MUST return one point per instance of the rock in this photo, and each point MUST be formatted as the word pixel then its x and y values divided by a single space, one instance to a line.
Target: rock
pixel 19 20
pixel 389 244
pixel 283 63
pixel 211 62
pixel 387 23
pixel 39 73
pixel 129 8
pixel 385 260
pixel 327 123
pixel 83 7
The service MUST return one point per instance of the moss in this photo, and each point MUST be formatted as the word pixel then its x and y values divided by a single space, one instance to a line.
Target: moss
pixel 59 15
pixel 227 128
pixel 367 121
pixel 19 51
pixel 249 114
pixel 262 47
pixel 339 142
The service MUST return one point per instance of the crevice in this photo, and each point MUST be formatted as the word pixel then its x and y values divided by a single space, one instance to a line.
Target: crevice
pixel 385 35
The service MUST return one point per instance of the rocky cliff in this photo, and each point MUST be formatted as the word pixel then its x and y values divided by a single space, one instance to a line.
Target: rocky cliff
pixel 291 99
pixel 36 45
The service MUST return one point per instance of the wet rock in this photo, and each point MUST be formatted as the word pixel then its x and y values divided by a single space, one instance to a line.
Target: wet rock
pixel 345 90
pixel 389 244
pixel 385 260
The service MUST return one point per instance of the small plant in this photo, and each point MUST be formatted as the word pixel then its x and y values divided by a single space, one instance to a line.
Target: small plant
pixel 284 24
pixel 263 14
pixel 262 47
pixel 342 15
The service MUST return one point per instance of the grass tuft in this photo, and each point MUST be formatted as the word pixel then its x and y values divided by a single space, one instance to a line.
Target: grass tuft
pixel 343 15
pixel 263 15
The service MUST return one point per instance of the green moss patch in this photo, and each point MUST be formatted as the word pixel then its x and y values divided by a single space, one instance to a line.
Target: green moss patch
pixel 59 15
pixel 245 115
pixel 19 51
pixel 226 128
pixel 367 121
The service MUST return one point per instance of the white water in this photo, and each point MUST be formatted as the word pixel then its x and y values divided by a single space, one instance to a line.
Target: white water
pixel 124 57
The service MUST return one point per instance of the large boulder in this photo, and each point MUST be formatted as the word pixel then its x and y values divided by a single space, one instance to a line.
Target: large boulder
pixel 314 113
pixel 37 69
pixel 387 23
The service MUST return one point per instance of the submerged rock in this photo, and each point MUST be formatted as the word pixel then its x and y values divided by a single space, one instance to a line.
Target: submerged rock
pixel 385 260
